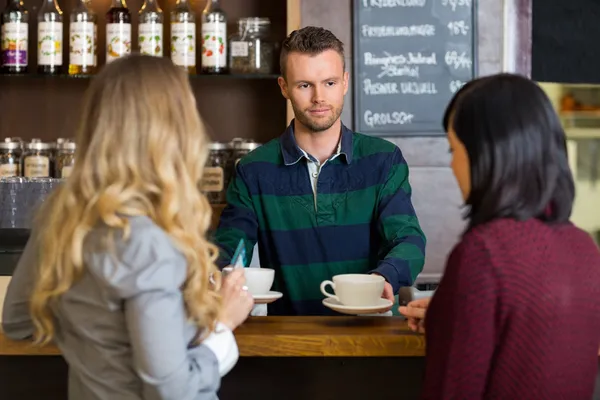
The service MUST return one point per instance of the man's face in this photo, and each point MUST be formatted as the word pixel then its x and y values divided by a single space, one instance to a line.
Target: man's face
pixel 315 85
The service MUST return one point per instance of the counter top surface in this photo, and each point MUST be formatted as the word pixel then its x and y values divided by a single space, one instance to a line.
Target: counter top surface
pixel 300 337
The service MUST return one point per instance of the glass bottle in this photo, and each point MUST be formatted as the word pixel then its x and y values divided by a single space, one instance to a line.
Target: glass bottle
pixel 214 39
pixel 15 36
pixel 118 31
pixel 183 36
pixel 50 38
pixel 83 40
pixel 150 31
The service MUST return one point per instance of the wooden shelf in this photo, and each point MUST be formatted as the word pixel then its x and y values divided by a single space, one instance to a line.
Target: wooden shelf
pixel 85 77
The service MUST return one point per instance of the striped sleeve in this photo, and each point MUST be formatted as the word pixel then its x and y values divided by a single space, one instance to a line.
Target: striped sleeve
pixel 403 240
pixel 238 221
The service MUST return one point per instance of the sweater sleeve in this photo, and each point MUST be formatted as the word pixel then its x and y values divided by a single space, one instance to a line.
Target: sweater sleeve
pixel 461 325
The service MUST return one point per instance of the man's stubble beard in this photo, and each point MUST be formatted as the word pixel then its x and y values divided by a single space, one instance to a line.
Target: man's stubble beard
pixel 317 126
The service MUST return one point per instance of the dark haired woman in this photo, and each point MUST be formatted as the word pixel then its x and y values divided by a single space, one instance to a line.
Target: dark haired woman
pixel 517 313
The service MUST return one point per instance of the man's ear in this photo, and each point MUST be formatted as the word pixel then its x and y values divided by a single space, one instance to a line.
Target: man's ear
pixel 283 86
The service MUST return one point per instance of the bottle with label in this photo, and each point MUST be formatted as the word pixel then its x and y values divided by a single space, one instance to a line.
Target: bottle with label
pixel 118 31
pixel 183 36
pixel 150 31
pixel 50 38
pixel 14 38
pixel 83 40
pixel 214 39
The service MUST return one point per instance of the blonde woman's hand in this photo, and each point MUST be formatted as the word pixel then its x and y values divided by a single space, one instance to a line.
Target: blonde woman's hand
pixel 415 312
pixel 237 302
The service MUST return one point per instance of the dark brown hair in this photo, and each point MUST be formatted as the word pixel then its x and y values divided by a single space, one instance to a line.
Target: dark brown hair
pixel 517 150
pixel 311 40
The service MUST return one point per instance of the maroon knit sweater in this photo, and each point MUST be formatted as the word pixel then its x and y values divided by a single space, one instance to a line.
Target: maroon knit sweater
pixel 516 315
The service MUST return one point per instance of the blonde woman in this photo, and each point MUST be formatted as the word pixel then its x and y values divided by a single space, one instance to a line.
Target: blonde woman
pixel 119 273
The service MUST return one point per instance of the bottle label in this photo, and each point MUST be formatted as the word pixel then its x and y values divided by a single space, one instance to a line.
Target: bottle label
pixel 118 41
pixel 214 47
pixel 66 171
pixel 37 167
pixel 14 44
pixel 82 43
pixel 239 49
pixel 9 170
pixel 150 38
pixel 213 179
pixel 50 43
pixel 183 44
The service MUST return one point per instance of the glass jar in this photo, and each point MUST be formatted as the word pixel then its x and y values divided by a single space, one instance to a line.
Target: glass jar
pixel 65 158
pixel 10 158
pixel 38 161
pixel 216 173
pixel 251 51
pixel 241 147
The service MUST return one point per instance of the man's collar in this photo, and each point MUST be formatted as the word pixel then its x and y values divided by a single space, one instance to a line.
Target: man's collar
pixel 292 153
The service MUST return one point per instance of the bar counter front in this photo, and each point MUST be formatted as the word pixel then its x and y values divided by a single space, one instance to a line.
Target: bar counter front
pixel 283 358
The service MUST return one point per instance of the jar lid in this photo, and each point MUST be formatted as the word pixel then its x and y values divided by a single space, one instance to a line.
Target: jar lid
pixel 219 146
pixel 37 144
pixel 9 144
pixel 248 146
pixel 66 144
pixel 255 20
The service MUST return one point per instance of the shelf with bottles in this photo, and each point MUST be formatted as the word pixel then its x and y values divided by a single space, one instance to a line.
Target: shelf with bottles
pixel 95 36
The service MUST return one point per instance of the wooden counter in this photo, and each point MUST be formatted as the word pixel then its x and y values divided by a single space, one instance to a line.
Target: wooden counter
pixel 298 337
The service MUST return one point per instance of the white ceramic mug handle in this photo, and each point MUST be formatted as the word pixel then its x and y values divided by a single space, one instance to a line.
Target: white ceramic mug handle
pixel 324 284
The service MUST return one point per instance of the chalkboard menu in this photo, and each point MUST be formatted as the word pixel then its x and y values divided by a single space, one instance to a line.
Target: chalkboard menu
pixel 410 56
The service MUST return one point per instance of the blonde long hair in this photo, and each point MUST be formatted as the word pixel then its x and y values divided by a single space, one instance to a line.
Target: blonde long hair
pixel 141 150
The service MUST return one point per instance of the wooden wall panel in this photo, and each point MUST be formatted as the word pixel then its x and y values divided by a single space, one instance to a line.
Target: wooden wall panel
pixel 48 107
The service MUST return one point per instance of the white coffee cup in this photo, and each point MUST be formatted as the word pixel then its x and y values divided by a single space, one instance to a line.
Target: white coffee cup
pixel 259 280
pixel 355 290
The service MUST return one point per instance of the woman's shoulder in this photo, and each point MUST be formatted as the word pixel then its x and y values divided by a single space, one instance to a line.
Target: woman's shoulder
pixel 506 236
pixel 140 258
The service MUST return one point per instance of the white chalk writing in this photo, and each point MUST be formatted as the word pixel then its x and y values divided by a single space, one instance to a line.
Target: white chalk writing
pixel 394 3
pixel 381 119
pixel 392 31
pixel 458 60
pixel 400 64
pixel 453 4
pixel 455 86
pixel 375 88
pixel 458 28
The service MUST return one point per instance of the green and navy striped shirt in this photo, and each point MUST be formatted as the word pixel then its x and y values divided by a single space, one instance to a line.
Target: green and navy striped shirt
pixel 360 218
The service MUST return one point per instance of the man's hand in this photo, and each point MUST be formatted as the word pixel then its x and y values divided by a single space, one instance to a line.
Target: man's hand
pixel 388 292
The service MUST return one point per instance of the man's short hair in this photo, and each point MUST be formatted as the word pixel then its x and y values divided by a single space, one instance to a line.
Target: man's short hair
pixel 311 40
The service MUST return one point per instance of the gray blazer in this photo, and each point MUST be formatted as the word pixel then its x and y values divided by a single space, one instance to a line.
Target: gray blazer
pixel 122 327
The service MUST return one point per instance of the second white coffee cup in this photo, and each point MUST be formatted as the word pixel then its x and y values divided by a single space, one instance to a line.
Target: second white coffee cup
pixel 259 280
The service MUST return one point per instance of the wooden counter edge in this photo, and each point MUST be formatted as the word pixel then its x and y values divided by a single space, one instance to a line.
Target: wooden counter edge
pixel 254 343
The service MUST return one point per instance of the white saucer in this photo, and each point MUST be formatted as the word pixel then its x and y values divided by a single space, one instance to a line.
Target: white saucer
pixel 266 298
pixel 382 306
